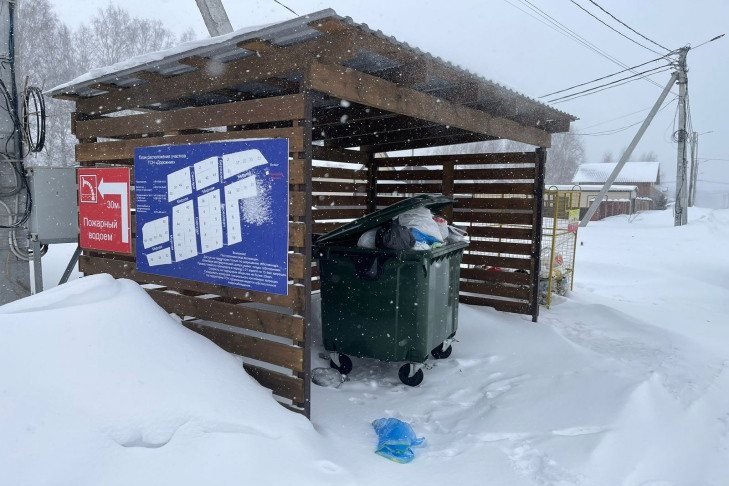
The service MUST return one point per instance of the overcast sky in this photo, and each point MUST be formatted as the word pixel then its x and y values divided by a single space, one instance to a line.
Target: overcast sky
pixel 508 42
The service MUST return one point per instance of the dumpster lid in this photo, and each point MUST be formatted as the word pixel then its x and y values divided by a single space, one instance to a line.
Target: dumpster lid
pixel 377 218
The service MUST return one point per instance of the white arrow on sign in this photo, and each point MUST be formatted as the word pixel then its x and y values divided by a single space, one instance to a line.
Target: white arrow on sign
pixel 121 189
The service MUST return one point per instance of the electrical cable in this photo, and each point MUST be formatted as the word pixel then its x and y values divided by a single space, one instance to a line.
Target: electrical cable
pixel 16 180
pixel 612 28
pixel 617 130
pixel 567 32
pixel 604 77
pixel 15 157
pixel 563 29
pixel 622 116
pixel 35 141
pixel 287 8
pixel 627 26
pixel 612 84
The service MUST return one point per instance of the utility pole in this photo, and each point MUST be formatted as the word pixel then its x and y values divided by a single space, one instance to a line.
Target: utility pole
pixel 694 169
pixel 680 212
pixel 628 152
pixel 216 20
pixel 14 267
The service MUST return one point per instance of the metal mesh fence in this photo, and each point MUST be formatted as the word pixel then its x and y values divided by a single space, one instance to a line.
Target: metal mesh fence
pixel 561 217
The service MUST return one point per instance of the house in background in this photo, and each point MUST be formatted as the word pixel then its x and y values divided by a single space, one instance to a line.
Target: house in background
pixel 631 191
pixel 620 199
pixel 645 175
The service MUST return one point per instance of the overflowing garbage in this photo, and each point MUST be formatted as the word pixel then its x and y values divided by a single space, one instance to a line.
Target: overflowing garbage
pixel 416 229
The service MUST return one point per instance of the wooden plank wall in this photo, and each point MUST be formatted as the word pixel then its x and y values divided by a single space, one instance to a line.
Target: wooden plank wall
pixel 495 204
pixel 339 190
pixel 269 331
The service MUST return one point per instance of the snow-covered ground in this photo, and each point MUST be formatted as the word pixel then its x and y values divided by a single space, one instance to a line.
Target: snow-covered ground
pixel 622 382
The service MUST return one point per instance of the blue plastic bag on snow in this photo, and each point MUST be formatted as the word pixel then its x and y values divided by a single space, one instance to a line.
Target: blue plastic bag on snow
pixel 396 439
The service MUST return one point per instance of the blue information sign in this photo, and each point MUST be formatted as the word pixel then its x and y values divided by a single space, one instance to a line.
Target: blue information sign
pixel 215 212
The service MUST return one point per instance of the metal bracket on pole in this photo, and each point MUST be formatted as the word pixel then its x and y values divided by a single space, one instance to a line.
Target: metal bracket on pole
pixel 628 152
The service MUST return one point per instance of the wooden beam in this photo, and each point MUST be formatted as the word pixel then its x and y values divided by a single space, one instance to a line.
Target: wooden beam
pixel 107 151
pixel 462 159
pixel 105 87
pixel 339 155
pixel 243 317
pixel 462 94
pixel 341 114
pixel 91 265
pixel 286 356
pixel 426 143
pixel 240 113
pixel 409 74
pixel 372 91
pixel 404 135
pixel 369 127
pixel 253 68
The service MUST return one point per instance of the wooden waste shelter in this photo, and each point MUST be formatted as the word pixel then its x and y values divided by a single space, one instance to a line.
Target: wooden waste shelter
pixel 344 96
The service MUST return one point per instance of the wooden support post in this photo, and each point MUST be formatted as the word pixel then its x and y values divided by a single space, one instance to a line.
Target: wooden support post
pixel 541 161
pixel 307 156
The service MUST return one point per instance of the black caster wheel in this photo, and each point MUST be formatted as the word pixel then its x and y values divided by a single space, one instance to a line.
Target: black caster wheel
pixel 345 364
pixel 414 380
pixel 440 353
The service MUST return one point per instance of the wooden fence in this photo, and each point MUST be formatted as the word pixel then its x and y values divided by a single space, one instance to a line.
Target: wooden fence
pixel 497 202
pixel 268 330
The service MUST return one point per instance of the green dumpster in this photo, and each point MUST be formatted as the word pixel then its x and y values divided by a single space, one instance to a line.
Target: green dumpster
pixel 390 305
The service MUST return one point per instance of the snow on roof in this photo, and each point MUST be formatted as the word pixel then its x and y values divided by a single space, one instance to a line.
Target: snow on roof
pixel 631 172
pixel 225 48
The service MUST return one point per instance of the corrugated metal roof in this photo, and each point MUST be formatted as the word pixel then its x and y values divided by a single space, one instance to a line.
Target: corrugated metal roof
pixel 224 48
pixel 631 172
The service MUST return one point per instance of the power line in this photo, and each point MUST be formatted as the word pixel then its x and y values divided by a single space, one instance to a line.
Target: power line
pixel 621 129
pixel 561 29
pixel 612 28
pixel 611 84
pixel 627 26
pixel 567 32
pixel 603 77
pixel 287 8
pixel 621 116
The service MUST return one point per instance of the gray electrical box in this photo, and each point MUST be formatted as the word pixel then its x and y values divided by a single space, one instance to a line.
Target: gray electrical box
pixel 54 215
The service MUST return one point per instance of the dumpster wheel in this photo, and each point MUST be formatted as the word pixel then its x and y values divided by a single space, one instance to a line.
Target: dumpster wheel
pixel 341 362
pixel 442 351
pixel 409 375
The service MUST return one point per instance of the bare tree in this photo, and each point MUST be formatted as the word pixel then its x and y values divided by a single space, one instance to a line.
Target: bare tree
pixel 49 54
pixel 44 47
pixel 607 157
pixel 649 156
pixel 563 158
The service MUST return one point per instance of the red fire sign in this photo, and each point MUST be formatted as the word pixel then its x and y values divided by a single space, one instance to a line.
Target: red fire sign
pixel 104 214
